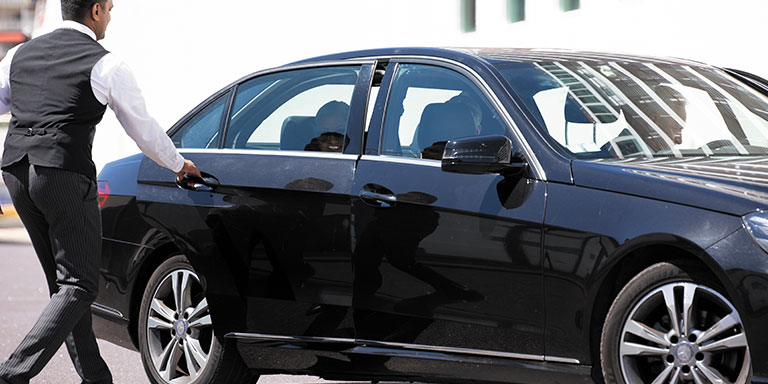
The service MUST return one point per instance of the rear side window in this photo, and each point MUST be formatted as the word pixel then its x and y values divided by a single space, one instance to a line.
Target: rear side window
pixel 202 130
pixel 300 110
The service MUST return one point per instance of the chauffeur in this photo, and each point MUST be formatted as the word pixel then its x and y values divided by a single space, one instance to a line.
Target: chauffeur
pixel 57 87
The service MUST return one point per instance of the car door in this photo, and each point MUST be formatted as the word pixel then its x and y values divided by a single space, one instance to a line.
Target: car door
pixel 444 260
pixel 268 226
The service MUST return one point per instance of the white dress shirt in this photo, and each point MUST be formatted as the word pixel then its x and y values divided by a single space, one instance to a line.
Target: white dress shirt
pixel 113 84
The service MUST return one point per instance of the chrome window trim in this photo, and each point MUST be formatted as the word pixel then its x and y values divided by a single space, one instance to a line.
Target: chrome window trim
pixel 403 160
pixel 486 89
pixel 404 346
pixel 292 67
pixel 270 152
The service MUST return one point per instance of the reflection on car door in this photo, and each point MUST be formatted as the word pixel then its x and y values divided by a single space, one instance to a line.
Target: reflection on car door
pixel 442 259
pixel 272 239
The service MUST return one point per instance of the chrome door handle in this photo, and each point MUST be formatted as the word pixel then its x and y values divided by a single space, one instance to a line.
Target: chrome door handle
pixel 207 183
pixel 382 200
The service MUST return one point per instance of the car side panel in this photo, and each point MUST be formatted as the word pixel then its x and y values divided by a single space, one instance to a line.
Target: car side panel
pixel 750 293
pixel 588 232
pixel 124 242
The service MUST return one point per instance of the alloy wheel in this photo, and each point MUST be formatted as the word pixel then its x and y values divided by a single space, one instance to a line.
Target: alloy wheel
pixel 179 329
pixel 684 333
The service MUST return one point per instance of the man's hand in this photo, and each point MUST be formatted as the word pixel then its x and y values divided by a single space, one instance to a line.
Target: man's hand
pixel 189 168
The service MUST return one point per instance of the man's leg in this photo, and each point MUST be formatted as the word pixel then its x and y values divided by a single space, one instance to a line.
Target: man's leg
pixel 17 181
pixel 67 201
pixel 84 352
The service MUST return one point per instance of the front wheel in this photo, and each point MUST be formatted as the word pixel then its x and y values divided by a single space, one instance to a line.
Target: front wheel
pixel 666 326
pixel 176 338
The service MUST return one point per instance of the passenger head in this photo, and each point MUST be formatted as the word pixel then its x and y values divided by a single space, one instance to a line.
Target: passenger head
pixel 94 14
pixel 331 123
pixel 332 117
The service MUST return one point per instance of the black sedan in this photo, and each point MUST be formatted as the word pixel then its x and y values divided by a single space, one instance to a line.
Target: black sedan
pixel 460 215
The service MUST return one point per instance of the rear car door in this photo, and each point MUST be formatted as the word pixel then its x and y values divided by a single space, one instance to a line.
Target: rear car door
pixel 268 228
pixel 444 260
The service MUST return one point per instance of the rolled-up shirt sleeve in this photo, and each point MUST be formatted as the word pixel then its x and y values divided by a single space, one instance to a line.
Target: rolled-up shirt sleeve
pixel 115 85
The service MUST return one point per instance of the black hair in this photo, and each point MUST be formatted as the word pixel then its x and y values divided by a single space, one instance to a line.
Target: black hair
pixel 77 10
pixel 333 108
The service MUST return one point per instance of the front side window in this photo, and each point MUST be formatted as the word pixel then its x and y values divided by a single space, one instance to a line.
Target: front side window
pixel 202 130
pixel 299 110
pixel 617 109
pixel 430 105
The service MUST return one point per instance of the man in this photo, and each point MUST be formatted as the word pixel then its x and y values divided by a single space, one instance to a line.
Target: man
pixel 57 87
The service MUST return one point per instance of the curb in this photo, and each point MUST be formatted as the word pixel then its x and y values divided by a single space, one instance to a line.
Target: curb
pixel 17 235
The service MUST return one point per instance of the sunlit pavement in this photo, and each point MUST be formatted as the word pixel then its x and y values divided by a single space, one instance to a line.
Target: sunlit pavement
pixel 23 295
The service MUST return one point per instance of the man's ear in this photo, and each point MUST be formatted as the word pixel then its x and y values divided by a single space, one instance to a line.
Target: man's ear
pixel 95 10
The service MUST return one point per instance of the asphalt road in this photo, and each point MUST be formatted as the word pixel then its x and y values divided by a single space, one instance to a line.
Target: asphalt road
pixel 23 294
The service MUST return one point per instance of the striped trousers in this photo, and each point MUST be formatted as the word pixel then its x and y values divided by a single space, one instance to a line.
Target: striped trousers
pixel 61 215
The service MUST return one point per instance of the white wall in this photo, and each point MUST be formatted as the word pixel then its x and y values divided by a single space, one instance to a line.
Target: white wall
pixel 184 50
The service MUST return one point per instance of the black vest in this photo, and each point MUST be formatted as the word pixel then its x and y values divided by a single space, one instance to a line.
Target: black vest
pixel 54 112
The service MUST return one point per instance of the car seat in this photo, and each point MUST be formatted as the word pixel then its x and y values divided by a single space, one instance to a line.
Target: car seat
pixel 442 122
pixel 297 132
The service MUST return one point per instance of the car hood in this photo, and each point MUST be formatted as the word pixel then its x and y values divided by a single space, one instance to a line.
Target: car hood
pixel 730 185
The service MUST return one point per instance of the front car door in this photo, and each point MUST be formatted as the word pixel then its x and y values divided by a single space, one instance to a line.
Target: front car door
pixel 443 262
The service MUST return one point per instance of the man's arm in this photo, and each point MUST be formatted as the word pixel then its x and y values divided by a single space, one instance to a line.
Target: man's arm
pixel 5 84
pixel 5 80
pixel 114 84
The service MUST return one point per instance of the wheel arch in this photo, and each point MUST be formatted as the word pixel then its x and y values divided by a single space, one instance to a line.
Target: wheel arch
pixel 637 255
pixel 161 251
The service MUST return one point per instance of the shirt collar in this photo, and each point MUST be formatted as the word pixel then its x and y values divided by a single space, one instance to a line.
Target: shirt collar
pixel 70 24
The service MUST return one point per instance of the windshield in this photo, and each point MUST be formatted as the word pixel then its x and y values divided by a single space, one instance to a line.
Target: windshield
pixel 633 109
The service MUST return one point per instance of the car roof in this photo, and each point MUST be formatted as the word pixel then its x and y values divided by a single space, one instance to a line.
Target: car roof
pixel 499 55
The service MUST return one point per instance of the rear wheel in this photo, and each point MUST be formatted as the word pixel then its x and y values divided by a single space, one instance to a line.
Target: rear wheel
pixel 176 338
pixel 667 326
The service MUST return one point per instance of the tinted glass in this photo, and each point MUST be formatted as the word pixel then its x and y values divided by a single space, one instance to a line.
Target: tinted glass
pixel 634 109
pixel 301 110
pixel 202 130
pixel 430 105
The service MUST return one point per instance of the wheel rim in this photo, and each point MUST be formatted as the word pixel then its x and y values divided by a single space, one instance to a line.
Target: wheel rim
pixel 684 333
pixel 179 328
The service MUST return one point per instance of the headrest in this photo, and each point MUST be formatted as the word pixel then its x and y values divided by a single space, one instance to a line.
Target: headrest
pixel 297 132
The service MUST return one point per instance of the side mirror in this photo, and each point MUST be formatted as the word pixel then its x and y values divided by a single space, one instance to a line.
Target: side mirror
pixel 482 154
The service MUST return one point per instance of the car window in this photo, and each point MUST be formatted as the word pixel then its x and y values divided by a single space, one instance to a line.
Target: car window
pixel 372 96
pixel 202 130
pixel 430 105
pixel 300 110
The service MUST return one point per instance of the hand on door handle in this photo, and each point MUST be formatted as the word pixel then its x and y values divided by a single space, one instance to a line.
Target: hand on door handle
pixel 189 168
pixel 206 183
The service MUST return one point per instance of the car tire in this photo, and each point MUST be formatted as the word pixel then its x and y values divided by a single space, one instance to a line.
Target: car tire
pixel 176 341
pixel 641 344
